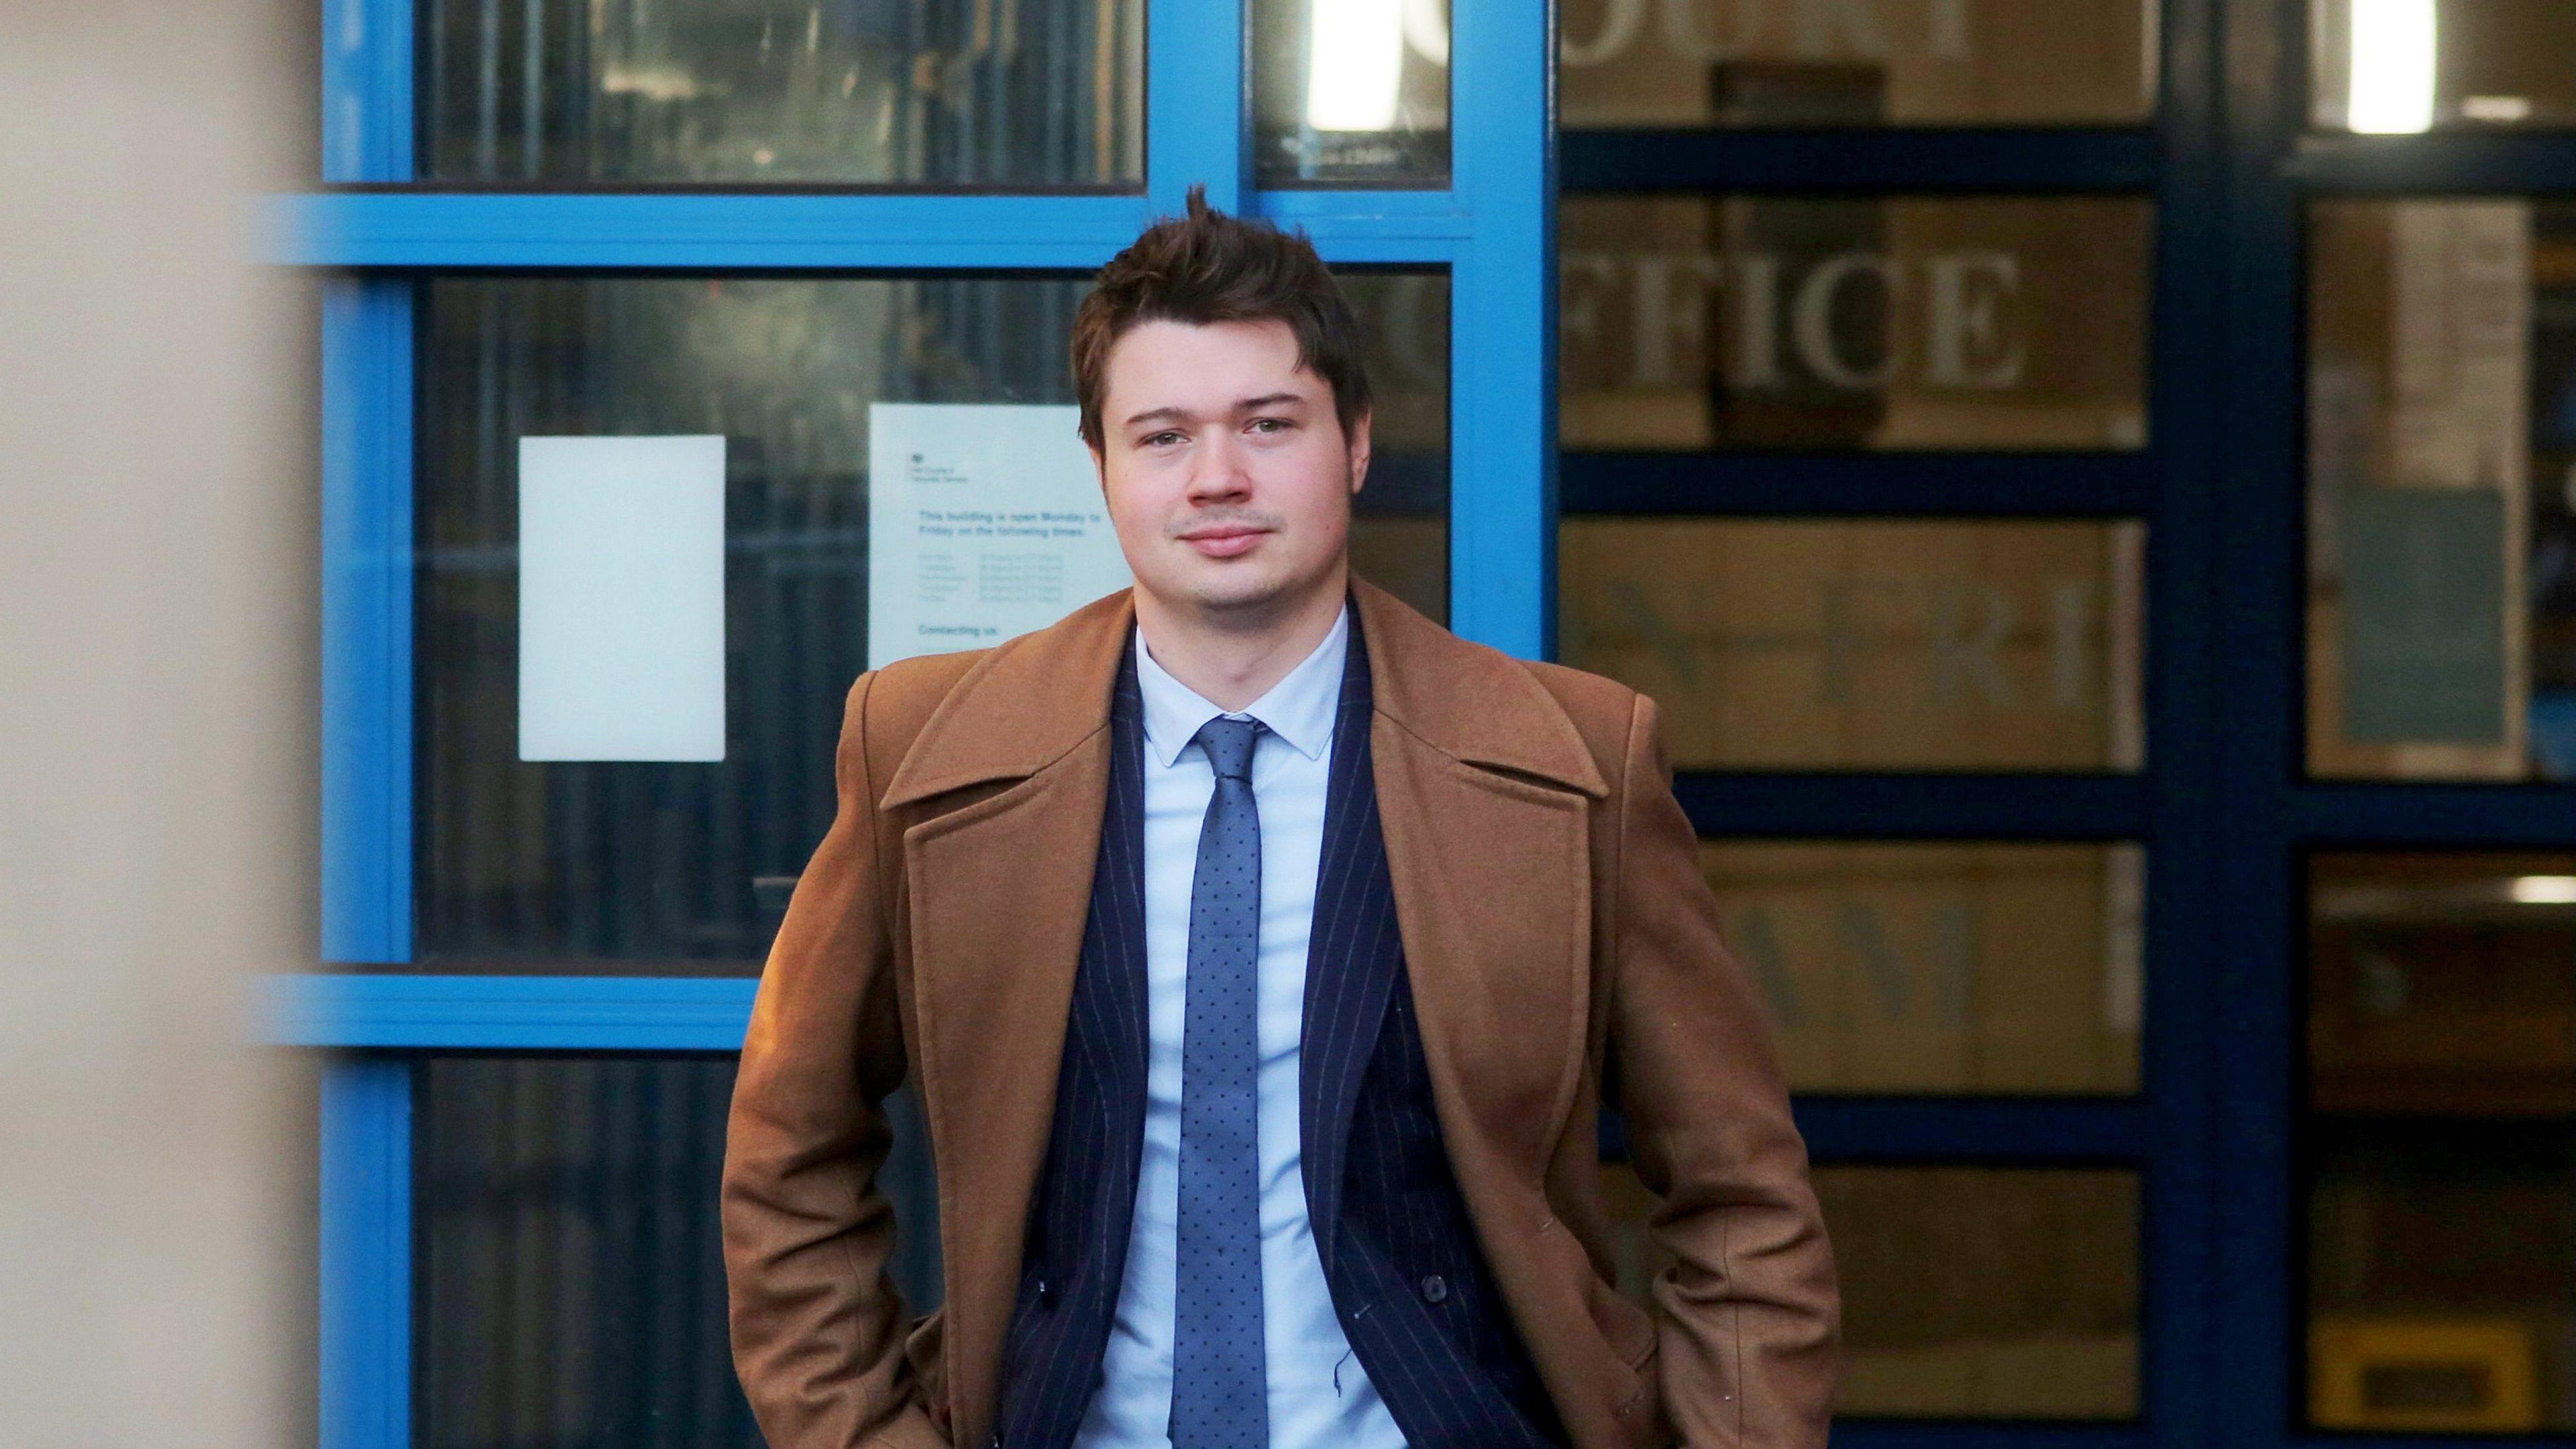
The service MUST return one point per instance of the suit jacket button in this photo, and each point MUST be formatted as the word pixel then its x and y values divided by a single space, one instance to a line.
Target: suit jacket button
pixel 1435 1288
pixel 1046 1292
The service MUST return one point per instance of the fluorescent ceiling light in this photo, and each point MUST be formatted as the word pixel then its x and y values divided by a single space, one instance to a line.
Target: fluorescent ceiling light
pixel 2394 46
pixel 2544 890
pixel 1355 58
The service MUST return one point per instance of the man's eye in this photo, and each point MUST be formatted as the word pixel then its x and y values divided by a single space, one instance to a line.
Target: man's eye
pixel 1270 425
pixel 1156 440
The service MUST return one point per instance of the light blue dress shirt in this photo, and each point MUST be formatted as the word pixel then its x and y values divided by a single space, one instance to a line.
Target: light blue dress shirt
pixel 1318 1393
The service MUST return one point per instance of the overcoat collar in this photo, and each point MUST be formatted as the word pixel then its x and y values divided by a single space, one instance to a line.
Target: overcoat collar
pixel 1039 696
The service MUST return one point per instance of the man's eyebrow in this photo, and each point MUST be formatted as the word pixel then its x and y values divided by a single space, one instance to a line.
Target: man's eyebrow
pixel 1172 414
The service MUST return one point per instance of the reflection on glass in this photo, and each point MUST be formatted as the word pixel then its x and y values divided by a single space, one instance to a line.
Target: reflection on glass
pixel 1350 92
pixel 1031 93
pixel 2441 1142
pixel 1977 324
pixel 1777 644
pixel 2394 67
pixel 2442 490
pixel 1968 1292
pixel 1856 62
pixel 639 866
pixel 1941 968
pixel 571 1286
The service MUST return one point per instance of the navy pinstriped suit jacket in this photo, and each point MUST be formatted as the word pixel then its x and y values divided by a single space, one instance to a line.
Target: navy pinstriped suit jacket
pixel 1400 1254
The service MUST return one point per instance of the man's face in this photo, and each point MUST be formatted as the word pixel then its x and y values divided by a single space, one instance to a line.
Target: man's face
pixel 1225 469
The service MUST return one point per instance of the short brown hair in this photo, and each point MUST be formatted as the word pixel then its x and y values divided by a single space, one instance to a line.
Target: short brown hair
pixel 1210 267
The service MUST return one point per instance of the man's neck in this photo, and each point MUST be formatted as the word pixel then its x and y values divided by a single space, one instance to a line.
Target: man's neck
pixel 1230 660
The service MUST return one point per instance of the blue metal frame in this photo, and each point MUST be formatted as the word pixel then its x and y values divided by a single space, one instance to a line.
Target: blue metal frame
pixel 366 620
pixel 511 1013
pixel 366 115
pixel 365 1366
pixel 1493 228
pixel 1502 520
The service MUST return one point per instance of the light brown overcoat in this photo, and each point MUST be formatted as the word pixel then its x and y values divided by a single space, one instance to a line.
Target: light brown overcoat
pixel 1553 917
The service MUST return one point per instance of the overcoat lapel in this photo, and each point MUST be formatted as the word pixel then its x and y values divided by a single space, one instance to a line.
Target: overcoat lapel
pixel 999 893
pixel 1484 793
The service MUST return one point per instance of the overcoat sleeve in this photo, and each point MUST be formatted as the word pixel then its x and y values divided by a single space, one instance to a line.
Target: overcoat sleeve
pixel 818 1326
pixel 1747 1315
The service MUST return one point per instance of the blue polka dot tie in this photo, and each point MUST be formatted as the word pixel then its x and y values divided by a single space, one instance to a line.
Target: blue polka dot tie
pixel 1219 1386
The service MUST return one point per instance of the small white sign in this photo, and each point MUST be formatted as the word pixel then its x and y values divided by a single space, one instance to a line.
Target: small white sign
pixel 621 598
pixel 984 521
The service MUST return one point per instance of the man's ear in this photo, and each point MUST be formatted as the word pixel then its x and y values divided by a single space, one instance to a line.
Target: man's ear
pixel 1359 448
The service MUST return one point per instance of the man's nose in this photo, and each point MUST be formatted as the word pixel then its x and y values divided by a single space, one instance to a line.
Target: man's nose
pixel 1217 470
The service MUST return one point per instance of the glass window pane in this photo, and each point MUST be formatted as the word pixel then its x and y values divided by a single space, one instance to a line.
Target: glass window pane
pixel 1896 323
pixel 1941 968
pixel 2397 66
pixel 2442 490
pixel 1787 644
pixel 571 1284
pixel 1041 93
pixel 640 866
pixel 1968 1292
pixel 1350 92
pixel 2440 1142
pixel 1400 532
pixel 1856 62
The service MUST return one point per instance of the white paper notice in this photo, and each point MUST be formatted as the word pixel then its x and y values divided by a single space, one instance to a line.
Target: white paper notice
pixel 984 521
pixel 621 598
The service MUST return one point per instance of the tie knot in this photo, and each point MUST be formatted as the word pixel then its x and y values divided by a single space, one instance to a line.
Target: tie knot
pixel 1228 743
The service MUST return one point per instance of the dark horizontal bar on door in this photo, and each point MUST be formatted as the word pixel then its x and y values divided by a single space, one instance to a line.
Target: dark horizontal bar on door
pixel 2510 162
pixel 1855 159
pixel 2002 1131
pixel 1915 806
pixel 1851 1432
pixel 1962 485
pixel 2501 816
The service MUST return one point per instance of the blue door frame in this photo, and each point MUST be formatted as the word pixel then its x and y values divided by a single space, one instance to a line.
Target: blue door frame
pixel 2222 805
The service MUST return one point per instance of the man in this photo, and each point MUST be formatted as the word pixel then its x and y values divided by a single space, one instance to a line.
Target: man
pixel 1260 950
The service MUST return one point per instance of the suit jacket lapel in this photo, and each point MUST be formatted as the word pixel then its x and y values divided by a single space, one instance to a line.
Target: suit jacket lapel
pixel 1109 1010
pixel 1352 957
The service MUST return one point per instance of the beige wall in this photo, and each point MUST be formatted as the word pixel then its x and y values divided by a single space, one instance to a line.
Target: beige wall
pixel 156 711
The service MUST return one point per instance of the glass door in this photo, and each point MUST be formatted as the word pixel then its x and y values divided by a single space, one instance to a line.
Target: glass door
pixel 1885 473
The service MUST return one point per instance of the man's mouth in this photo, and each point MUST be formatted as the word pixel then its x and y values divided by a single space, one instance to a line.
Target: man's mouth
pixel 1224 541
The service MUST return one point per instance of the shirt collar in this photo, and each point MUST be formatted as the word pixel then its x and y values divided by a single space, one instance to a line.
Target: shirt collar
pixel 1298 709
